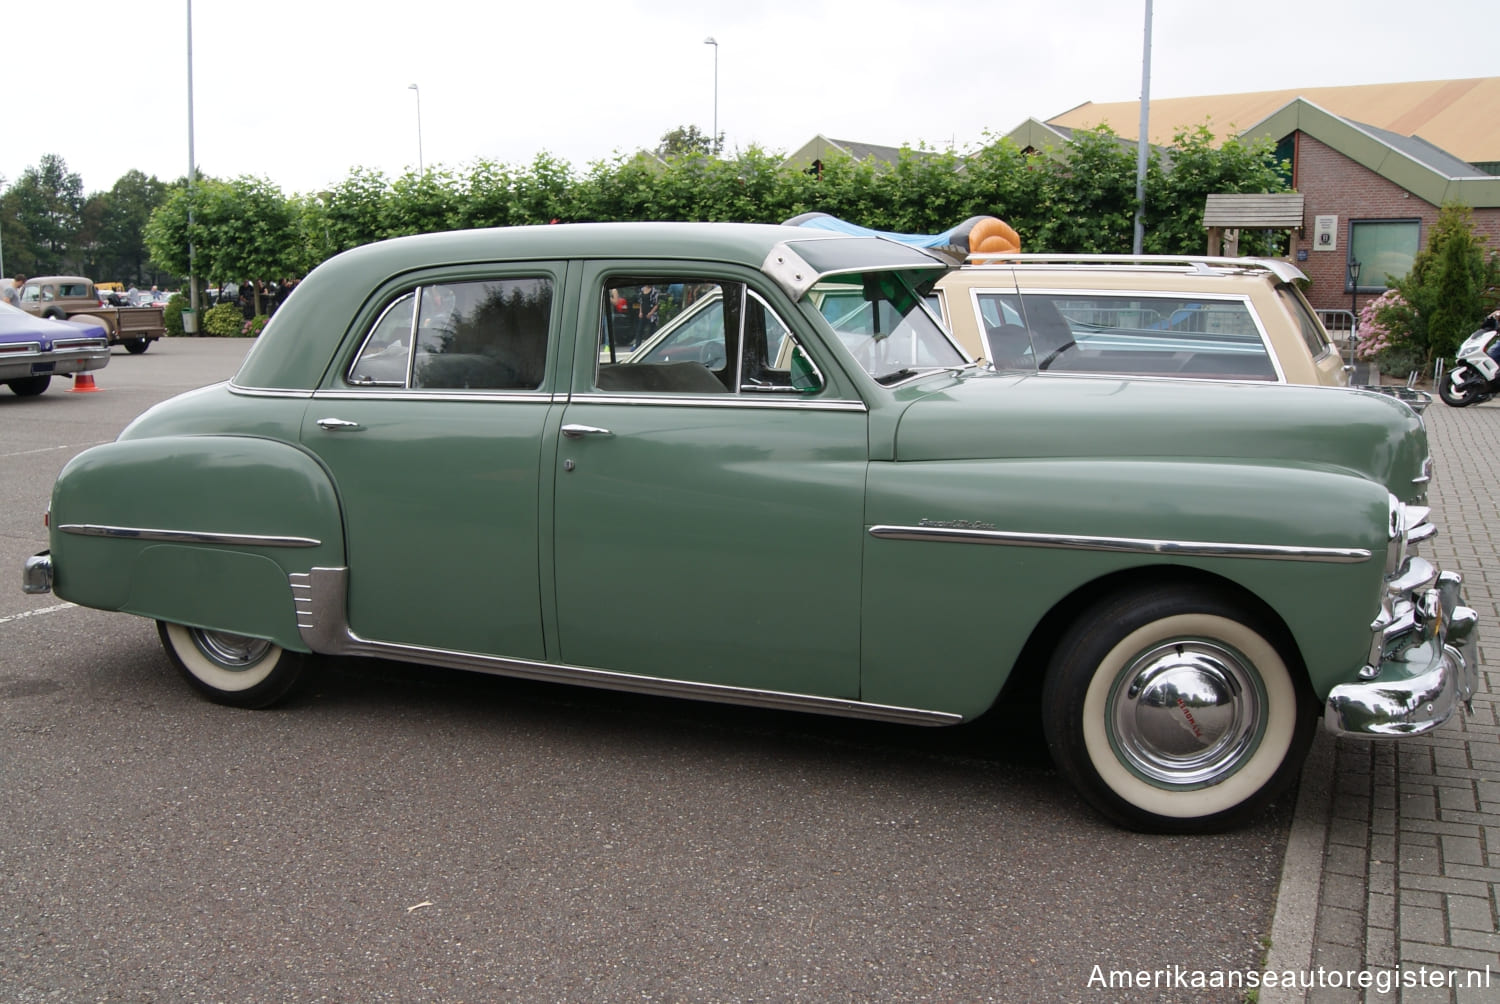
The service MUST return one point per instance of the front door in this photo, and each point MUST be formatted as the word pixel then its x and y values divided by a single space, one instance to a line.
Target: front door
pixel 709 513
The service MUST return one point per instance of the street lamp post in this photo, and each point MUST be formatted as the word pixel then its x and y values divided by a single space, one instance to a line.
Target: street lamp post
pixel 713 140
pixel 1353 305
pixel 414 87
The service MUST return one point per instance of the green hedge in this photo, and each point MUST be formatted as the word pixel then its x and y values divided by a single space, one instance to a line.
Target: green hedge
pixel 171 317
pixel 223 321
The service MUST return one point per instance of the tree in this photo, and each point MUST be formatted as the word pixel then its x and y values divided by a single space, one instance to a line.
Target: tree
pixel 48 204
pixel 1175 198
pixel 242 230
pixel 1454 281
pixel 685 140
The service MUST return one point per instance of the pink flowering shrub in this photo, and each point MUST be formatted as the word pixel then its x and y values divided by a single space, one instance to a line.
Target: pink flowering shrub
pixel 1375 333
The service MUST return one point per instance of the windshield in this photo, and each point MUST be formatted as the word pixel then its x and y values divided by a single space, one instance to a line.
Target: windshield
pixel 886 325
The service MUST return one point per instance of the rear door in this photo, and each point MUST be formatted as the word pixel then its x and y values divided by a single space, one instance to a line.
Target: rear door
pixel 431 427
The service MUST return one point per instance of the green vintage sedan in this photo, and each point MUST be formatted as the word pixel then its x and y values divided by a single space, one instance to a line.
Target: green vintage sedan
pixel 440 452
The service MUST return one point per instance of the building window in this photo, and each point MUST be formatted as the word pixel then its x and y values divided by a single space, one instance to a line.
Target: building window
pixel 1383 248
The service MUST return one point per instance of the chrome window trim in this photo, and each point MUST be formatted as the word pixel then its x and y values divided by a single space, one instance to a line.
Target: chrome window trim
pixel 411 340
pixel 320 597
pixel 717 401
pixel 244 391
pixel 1122 545
pixel 187 536
pixel 389 392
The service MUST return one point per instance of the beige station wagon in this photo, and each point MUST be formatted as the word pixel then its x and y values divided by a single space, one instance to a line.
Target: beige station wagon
pixel 1143 315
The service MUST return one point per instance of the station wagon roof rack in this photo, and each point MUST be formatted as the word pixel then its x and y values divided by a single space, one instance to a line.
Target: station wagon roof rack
pixel 1200 264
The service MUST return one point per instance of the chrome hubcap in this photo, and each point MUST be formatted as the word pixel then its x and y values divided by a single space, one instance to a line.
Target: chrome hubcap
pixel 232 651
pixel 1185 714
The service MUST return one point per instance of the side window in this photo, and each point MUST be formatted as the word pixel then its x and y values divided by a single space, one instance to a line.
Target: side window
pixel 683 335
pixel 1313 333
pixel 1194 336
pixel 486 335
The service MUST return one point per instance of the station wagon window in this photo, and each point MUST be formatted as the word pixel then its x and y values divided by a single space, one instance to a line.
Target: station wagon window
pixel 1314 335
pixel 486 335
pixel 1136 334
pixel 682 335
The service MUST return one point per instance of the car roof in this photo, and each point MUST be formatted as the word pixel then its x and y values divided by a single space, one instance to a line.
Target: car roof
pixel 1176 267
pixel 295 348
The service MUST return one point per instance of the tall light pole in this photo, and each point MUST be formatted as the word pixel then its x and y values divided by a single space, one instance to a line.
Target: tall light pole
pixel 1142 143
pixel 414 87
pixel 713 141
pixel 191 182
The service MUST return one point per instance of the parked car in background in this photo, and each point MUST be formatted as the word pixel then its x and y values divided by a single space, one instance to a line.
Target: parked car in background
pixel 442 453
pixel 33 350
pixel 1153 316
pixel 73 296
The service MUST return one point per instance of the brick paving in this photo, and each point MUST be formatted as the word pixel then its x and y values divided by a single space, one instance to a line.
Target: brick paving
pixel 1410 884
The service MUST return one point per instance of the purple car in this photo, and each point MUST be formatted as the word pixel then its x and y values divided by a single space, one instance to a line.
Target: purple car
pixel 35 349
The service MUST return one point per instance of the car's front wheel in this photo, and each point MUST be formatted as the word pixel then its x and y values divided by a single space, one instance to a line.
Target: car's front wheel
pixel 1473 385
pixel 231 668
pixel 1172 710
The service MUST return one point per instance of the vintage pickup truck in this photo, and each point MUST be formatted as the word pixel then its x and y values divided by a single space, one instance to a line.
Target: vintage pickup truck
pixel 73 296
pixel 797 492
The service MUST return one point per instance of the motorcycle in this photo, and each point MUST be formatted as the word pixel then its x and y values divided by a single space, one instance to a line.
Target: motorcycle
pixel 1475 376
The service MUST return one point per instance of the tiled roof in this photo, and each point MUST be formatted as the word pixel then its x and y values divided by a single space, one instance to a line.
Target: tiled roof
pixel 1461 117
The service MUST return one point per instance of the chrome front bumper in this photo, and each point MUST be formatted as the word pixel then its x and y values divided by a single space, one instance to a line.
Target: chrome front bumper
pixel 36 577
pixel 1428 663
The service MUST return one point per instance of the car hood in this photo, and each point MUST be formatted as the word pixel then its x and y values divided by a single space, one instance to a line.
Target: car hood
pixel 1001 416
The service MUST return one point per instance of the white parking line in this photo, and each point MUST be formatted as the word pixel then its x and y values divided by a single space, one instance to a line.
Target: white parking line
pixel 51 449
pixel 35 613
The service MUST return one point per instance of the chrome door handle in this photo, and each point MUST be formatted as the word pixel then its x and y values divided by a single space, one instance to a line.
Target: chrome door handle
pixel 579 431
pixel 338 424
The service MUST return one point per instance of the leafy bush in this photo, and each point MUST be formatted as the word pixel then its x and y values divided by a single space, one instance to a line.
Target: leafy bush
pixel 253 327
pixel 223 321
pixel 171 316
pixel 1453 283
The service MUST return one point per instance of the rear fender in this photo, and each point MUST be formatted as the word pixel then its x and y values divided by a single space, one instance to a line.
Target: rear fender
pixel 197 530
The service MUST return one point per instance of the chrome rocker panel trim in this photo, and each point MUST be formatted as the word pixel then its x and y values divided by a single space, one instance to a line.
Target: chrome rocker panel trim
pixel 1129 545
pixel 1429 665
pixel 187 536
pixel 322 620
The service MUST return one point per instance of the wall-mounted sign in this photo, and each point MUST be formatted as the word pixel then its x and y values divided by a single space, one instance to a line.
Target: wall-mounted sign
pixel 1302 254
pixel 1325 233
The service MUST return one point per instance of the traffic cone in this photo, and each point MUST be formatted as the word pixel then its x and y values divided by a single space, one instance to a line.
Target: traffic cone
pixel 83 383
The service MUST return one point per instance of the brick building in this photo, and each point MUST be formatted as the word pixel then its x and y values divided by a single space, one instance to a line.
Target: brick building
pixel 1373 164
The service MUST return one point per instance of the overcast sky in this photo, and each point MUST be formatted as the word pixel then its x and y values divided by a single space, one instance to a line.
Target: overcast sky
pixel 303 92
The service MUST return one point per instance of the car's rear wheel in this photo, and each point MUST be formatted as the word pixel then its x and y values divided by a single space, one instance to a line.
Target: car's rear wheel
pixel 1172 710
pixel 30 386
pixel 232 668
pixel 135 346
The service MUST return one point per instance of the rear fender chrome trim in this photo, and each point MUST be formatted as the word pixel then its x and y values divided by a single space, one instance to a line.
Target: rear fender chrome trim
pixel 320 597
pixel 187 536
pixel 1127 545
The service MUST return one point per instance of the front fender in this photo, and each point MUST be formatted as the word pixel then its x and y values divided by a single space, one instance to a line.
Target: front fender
pixel 199 530
pixel 995 547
